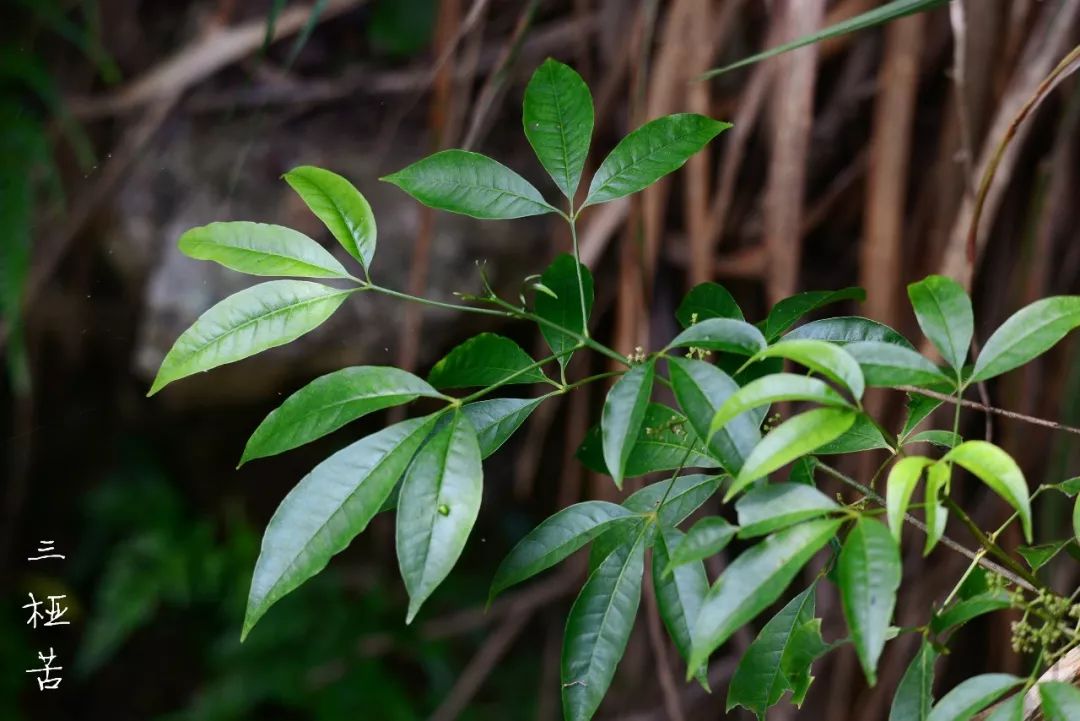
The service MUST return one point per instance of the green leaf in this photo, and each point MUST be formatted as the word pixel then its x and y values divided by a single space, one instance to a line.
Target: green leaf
pixel 470 184
pixel 598 629
pixel 822 357
pixel 558 119
pixel 1027 334
pixel 964 610
pixel 795 437
pixel 937 516
pixel 943 310
pixel 779 658
pixel 649 153
pixel 1076 519
pixel 726 334
pixel 888 364
pixel 255 319
pixel 972 696
pixel 341 208
pixel 261 249
pixel 997 469
pixel 701 390
pixel 496 419
pixel 877 16
pixel 849 329
pixel 788 311
pixel 1070 488
pixel 1038 556
pixel 437 507
pixel 802 471
pixel 753 582
pixel 918 409
pixel 328 403
pixel 863 435
pixel 774 389
pixel 774 506
pixel 564 308
pixel 623 417
pixel 622 535
pixel 868 573
pixel 1011 709
pixel 705 538
pixel 484 360
pixel 915 694
pixel 666 442
pixel 1060 701
pixel 942 439
pixel 706 301
pixel 903 477
pixel 686 496
pixel 554 539
pixel 680 590
pixel 327 509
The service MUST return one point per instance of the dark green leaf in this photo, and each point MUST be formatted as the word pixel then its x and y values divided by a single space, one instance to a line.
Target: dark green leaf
pixel 706 301
pixel 558 118
pixel 437 507
pixel 754 581
pixel 822 357
pixel 649 153
pixel 496 419
pixel 341 208
pixel 868 573
pixel 725 334
pixel 687 495
pixel 966 609
pixel 774 389
pixel 705 538
pixel 802 471
pixel 774 506
pixel 972 696
pixel 918 409
pixel 470 184
pixel 555 539
pixel 903 477
pixel 915 694
pixel 997 469
pixel 788 311
pixel 1070 487
pixel 1011 709
pixel 328 403
pixel 1060 701
pixel 942 439
pixel 1027 334
pixel 261 249
pixel 943 310
pixel 261 317
pixel 327 509
pixel 889 364
pixel 863 435
pixel 598 628
pixel 623 417
pixel 1040 555
pixel 701 390
pixel 564 307
pixel 485 360
pixel 664 444
pixel 679 593
pixel 849 329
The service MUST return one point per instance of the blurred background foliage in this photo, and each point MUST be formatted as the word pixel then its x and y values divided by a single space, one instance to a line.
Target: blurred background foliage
pixel 123 122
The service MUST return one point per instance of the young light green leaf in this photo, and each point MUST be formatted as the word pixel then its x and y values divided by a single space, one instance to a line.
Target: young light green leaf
pixel 623 416
pixel 471 184
pixel 774 389
pixel 788 311
pixel 822 357
pixel 753 582
pixel 937 516
pixel 666 442
pixel 915 694
pixel 496 419
pixel 903 477
pixel 329 402
pixel 598 629
pixel 863 435
pixel 564 307
pixel 327 509
pixel 680 590
pixel 889 364
pixel 771 507
pixel 795 437
pixel 255 319
pixel 997 469
pixel 705 538
pixel 261 249
pixel 779 659
pixel 966 609
pixel 868 573
pixel 942 439
pixel 437 507
pixel 1027 334
pixel 705 301
pixel 483 360
pixel 943 310
pixel 554 539
pixel 849 329
pixel 726 334
pixel 649 153
pixel 558 118
pixel 1060 701
pixel 972 696
pixel 701 390
pixel 341 208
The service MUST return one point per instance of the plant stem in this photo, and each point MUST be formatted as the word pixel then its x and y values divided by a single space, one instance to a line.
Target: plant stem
pixel 572 220
pixel 433 303
pixel 990 409
pixel 584 341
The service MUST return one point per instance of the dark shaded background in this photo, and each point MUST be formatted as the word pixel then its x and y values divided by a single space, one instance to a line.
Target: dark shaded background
pixel 851 163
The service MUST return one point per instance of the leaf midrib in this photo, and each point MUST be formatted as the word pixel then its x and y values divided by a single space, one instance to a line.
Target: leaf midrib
pixel 636 161
pixel 350 228
pixel 269 254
